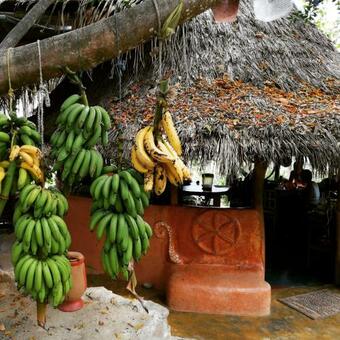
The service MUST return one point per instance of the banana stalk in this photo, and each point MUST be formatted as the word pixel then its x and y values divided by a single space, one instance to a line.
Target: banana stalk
pixel 41 314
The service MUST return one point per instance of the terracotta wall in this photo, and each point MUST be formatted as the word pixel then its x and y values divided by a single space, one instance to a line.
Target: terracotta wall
pixel 229 237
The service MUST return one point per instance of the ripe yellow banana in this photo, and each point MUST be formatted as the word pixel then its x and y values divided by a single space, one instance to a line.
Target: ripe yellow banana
pixel 148 181
pixel 32 150
pixel 169 128
pixel 185 170
pixel 160 179
pixel 34 170
pixel 14 152
pixel 174 172
pixel 170 152
pixel 26 158
pixel 141 154
pixel 153 150
pixel 135 161
pixel 172 179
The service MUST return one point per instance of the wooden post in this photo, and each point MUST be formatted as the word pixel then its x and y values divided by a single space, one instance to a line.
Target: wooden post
pixel 174 195
pixel 258 190
pixel 337 257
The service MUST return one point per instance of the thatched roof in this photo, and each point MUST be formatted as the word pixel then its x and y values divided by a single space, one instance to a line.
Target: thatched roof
pixel 232 122
pixel 288 52
pixel 246 90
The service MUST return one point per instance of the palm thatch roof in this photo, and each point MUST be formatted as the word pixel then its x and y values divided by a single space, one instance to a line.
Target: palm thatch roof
pixel 288 52
pixel 232 122
pixel 244 90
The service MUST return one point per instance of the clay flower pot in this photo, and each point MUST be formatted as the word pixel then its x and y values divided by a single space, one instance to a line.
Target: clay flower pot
pixel 73 300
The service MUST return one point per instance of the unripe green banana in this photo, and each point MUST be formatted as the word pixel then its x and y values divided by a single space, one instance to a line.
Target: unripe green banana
pixel 54 271
pixel 24 270
pixel 78 161
pixel 29 283
pixel 16 252
pixel 127 255
pixel 69 101
pixel 105 117
pixel 106 187
pixel 70 140
pixel 133 228
pixel 77 144
pixel 137 249
pixel 47 275
pixel 102 224
pixel 38 277
pixel 96 217
pixel 22 178
pixel 85 167
pixel 21 225
pixel 89 123
pixel 73 115
pixel 18 266
pixel 82 117
pixel 39 234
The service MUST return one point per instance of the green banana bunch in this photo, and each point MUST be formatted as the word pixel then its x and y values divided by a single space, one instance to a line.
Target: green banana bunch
pixel 80 128
pixel 123 190
pixel 23 131
pixel 46 280
pixel 42 202
pixel 46 235
pixel 42 240
pixel 118 205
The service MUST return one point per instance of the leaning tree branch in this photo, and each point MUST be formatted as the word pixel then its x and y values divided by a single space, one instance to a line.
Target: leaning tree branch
pixel 25 24
pixel 89 46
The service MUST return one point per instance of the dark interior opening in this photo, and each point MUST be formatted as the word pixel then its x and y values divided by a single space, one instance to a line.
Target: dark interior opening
pixel 300 240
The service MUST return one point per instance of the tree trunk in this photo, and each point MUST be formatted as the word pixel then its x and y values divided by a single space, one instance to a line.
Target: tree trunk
pixel 25 24
pixel 87 47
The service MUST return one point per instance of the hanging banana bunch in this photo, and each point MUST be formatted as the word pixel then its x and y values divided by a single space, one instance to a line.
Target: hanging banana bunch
pixel 117 213
pixel 80 128
pixel 159 158
pixel 41 267
pixel 19 157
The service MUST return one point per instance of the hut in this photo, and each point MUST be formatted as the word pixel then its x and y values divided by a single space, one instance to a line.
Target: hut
pixel 247 92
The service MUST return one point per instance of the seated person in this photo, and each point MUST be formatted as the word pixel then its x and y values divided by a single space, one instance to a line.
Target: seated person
pixel 311 191
pixel 295 175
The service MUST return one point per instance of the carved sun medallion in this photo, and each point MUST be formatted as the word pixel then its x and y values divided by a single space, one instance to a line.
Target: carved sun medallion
pixel 216 232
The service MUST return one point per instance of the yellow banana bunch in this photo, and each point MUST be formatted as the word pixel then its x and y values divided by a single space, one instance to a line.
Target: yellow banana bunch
pixel 30 159
pixel 159 160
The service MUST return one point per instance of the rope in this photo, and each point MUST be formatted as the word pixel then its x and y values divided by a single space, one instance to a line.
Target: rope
pixel 10 90
pixel 43 96
pixel 155 3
